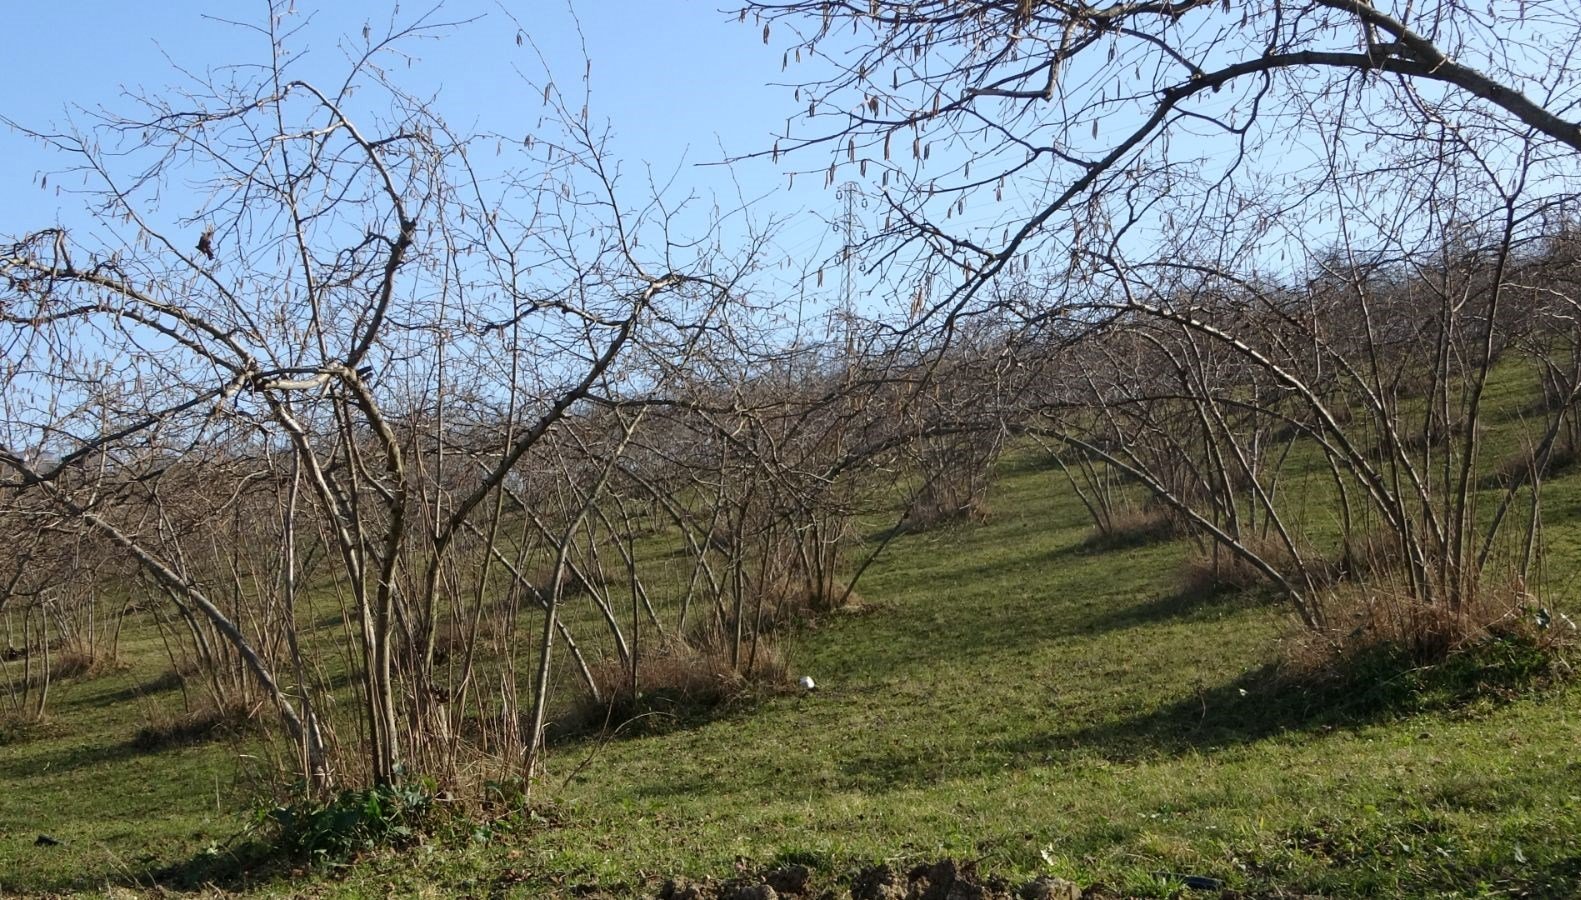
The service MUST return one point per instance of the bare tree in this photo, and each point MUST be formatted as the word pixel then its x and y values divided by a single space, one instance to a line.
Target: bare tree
pixel 308 357
pixel 1244 227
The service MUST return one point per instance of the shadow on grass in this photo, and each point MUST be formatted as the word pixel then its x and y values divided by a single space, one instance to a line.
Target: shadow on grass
pixel 657 712
pixel 1140 531
pixel 673 788
pixel 335 618
pixel 150 739
pixel 170 680
pixel 1182 606
pixel 247 865
pixel 999 616
pixel 72 759
pixel 878 771
pixel 1027 462
pixel 1377 685
pixel 1007 609
pixel 1554 878
pixel 883 534
pixel 159 684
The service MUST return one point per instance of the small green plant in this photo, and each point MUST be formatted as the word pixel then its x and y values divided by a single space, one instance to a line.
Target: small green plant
pixel 354 821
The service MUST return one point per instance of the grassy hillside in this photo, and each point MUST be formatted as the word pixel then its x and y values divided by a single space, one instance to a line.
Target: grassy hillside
pixel 1007 693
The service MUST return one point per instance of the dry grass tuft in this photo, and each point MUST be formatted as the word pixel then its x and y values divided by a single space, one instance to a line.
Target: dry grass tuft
pixel 1133 526
pixel 1367 619
pixel 18 727
pixel 164 730
pixel 73 661
pixel 1217 568
pixel 956 476
pixel 67 661
pixel 941 506
pixel 680 681
pixel 1385 653
pixel 571 585
pixel 782 602
pixel 1368 558
pixel 1371 557
pixel 704 671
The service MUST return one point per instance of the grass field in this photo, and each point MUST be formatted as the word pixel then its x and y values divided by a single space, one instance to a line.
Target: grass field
pixel 1006 693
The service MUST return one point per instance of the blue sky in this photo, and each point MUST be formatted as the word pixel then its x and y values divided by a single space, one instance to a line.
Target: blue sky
pixel 680 83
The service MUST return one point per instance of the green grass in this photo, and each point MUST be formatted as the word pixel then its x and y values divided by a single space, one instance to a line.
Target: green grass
pixel 1007 695
pixel 82 778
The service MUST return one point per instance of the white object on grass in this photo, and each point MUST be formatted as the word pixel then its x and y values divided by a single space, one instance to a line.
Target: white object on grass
pixel 807 683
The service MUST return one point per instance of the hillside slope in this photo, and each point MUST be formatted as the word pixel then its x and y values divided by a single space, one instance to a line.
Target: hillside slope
pixel 1007 694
